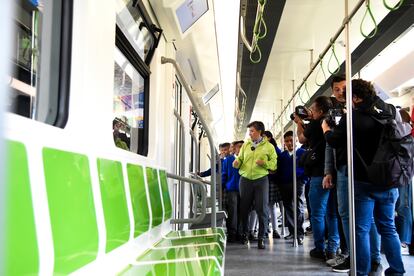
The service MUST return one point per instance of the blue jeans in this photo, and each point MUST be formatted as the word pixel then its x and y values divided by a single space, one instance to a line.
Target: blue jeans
pixel 343 208
pixel 323 204
pixel 381 205
pixel 404 220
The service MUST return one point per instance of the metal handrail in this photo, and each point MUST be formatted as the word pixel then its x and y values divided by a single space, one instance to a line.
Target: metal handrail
pixel 188 89
pixel 196 153
pixel 182 166
pixel 199 218
pixel 347 19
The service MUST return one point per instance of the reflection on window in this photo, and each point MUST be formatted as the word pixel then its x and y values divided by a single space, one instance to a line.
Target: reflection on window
pixel 128 103
pixel 24 58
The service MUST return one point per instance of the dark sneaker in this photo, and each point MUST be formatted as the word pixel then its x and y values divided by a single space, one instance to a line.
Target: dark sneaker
pixel 317 254
pixel 290 237
pixel 300 241
pixel 376 269
pixel 244 240
pixel 261 244
pixel 343 267
pixel 252 236
pixel 276 235
pixel 330 255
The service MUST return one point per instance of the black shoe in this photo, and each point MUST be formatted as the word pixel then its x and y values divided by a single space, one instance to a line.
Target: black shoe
pixel 252 236
pixel 300 241
pixel 261 244
pixel 317 254
pixel 276 235
pixel 330 255
pixel 243 239
pixel 290 237
pixel 342 267
pixel 376 269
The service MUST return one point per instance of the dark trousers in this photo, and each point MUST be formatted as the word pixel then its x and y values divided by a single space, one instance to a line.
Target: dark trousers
pixel 287 196
pixel 258 191
pixel 307 188
pixel 233 213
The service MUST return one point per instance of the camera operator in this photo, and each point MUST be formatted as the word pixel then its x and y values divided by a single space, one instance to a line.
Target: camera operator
pixel 321 200
pixel 367 132
pixel 339 156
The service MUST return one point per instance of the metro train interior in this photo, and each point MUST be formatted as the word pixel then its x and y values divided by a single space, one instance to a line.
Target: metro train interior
pixel 122 119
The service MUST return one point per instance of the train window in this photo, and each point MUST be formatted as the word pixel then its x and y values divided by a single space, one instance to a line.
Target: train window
pixel 39 28
pixel 128 104
pixel 142 34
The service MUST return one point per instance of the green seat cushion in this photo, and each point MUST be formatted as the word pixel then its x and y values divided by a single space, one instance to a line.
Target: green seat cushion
pixel 197 232
pixel 200 267
pixel 193 251
pixel 191 241
pixel 165 195
pixel 138 199
pixel 21 248
pixel 114 203
pixel 155 196
pixel 72 209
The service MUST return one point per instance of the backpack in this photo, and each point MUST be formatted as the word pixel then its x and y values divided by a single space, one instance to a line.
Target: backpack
pixel 393 163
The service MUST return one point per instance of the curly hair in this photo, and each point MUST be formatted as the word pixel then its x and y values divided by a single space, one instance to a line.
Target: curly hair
pixel 363 89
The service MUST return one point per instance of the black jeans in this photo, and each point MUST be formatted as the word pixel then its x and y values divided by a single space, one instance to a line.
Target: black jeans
pixel 233 213
pixel 258 191
pixel 287 196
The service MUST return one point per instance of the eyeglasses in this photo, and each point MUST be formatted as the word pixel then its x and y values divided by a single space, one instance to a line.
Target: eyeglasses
pixel 252 148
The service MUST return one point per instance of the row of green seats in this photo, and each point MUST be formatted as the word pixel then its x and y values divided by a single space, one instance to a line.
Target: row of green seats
pixel 73 214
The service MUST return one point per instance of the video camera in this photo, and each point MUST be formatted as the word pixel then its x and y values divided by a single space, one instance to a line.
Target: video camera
pixel 301 112
pixel 334 116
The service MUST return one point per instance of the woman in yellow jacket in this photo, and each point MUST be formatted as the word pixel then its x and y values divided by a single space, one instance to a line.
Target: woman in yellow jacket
pixel 257 156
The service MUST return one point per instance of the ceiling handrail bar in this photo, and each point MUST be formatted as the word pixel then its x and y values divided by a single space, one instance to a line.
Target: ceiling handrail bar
pixel 322 55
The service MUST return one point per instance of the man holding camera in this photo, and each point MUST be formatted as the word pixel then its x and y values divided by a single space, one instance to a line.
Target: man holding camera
pixel 339 156
pixel 321 199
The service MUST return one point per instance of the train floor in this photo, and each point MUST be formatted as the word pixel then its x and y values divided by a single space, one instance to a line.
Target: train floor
pixel 280 258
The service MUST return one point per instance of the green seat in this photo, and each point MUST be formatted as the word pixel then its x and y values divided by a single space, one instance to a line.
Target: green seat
pixel 191 240
pixel 183 252
pixel 203 267
pixel 72 209
pixel 197 232
pixel 155 196
pixel 21 248
pixel 139 199
pixel 114 203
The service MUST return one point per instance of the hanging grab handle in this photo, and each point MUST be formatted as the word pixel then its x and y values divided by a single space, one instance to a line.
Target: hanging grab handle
pixel 396 7
pixel 333 54
pixel 320 70
pixel 368 11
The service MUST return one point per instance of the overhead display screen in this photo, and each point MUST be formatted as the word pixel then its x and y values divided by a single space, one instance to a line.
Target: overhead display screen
pixel 189 12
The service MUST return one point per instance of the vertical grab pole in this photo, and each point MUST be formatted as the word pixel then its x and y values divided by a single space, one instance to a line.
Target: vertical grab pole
pixel 220 185
pixel 350 146
pixel 181 188
pixel 295 191
pixel 282 208
pixel 188 89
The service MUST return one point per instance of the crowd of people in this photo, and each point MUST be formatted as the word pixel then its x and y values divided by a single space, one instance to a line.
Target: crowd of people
pixel 257 177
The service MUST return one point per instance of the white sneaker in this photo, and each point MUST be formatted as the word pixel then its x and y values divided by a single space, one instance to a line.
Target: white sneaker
pixel 404 250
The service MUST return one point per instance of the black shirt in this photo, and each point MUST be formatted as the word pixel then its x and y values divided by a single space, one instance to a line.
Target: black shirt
pixel 367 134
pixel 316 141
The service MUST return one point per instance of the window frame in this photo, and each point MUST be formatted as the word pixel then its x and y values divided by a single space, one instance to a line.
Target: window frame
pixel 55 39
pixel 125 47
